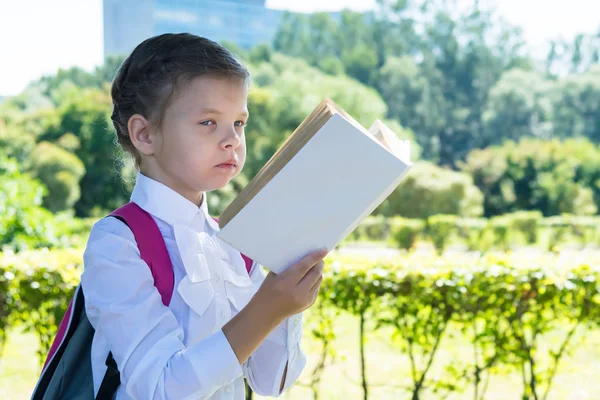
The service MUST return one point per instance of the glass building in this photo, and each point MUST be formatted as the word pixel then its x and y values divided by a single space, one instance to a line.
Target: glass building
pixel 244 22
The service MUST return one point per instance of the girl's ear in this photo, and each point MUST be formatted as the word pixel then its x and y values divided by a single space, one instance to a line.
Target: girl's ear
pixel 140 134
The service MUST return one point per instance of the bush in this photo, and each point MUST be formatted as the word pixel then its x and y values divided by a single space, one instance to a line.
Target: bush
pixel 558 228
pixel 404 231
pixel 527 223
pixel 502 303
pixel 23 222
pixel 501 230
pixel 584 228
pixel 471 231
pixel 441 228
pixel 373 228
pixel 40 286
pixel 428 190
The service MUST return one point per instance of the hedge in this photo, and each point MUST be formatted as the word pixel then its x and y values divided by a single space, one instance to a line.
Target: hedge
pixel 503 304
pixel 500 232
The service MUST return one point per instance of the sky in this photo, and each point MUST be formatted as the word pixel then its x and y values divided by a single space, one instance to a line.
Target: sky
pixel 39 36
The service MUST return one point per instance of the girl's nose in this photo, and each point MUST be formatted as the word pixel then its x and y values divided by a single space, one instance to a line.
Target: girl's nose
pixel 232 138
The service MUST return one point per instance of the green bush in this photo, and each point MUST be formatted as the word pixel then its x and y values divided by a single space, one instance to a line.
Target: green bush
pixel 40 285
pixel 503 304
pixel 429 190
pixel 441 229
pixel 24 223
pixel 527 223
pixel 471 231
pixel 557 228
pixel 584 228
pixel 404 231
pixel 501 229
pixel 373 228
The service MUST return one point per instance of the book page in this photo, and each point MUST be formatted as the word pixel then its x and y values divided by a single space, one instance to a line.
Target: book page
pixel 400 148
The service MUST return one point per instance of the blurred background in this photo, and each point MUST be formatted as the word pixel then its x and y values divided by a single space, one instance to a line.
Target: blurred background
pixel 476 279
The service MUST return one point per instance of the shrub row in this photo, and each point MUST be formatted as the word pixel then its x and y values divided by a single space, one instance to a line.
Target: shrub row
pixel 502 232
pixel 503 304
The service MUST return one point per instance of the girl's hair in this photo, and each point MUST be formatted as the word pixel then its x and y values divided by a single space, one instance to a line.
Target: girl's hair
pixel 159 66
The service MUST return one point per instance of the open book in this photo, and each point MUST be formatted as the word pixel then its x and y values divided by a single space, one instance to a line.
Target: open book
pixel 317 188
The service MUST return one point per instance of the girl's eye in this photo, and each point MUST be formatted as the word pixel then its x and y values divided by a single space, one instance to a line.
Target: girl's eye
pixel 207 123
pixel 240 123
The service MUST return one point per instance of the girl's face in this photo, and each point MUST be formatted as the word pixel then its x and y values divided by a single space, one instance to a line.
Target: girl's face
pixel 200 145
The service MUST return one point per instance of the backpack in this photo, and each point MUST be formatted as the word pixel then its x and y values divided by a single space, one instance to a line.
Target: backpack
pixel 67 372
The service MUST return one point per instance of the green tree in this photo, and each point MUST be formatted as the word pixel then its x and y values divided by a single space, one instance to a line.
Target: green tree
pixel 60 171
pixel 518 106
pixel 84 112
pixel 551 176
pixel 576 105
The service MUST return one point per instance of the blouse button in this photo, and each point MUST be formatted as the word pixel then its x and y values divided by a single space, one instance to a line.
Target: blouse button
pixel 228 388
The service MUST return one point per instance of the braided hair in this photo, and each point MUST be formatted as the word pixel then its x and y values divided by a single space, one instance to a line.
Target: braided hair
pixel 159 66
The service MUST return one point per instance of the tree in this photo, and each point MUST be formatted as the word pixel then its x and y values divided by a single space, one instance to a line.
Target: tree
pixel 518 106
pixel 60 171
pixel 551 176
pixel 576 105
pixel 84 112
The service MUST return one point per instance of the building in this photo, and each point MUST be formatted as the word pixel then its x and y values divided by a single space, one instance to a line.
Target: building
pixel 244 22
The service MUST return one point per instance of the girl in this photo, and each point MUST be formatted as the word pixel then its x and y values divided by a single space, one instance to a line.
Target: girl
pixel 180 110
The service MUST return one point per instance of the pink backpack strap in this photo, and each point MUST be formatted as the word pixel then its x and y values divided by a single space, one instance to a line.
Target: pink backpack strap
pixel 151 245
pixel 247 260
pixel 60 334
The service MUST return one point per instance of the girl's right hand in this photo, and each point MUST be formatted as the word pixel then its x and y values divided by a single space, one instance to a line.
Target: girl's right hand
pixel 295 289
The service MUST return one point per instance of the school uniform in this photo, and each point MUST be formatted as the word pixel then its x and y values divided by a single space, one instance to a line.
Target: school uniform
pixel 179 351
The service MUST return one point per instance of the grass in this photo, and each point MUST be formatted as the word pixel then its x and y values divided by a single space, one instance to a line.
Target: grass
pixel 387 368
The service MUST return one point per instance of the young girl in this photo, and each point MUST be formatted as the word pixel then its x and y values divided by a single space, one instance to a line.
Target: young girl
pixel 180 110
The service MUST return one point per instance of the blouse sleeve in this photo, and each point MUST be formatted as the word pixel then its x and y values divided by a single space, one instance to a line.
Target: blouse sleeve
pixel 265 368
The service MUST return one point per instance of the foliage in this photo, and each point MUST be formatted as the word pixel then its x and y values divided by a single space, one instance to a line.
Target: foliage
pixel 428 190
pixel 526 222
pixel 84 113
pixel 40 287
pixel 441 229
pixel 60 171
pixel 553 176
pixel 404 232
pixel 504 304
pixel 23 222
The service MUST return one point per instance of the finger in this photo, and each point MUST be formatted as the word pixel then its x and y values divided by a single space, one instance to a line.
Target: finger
pixel 312 276
pixel 314 291
pixel 315 288
pixel 301 268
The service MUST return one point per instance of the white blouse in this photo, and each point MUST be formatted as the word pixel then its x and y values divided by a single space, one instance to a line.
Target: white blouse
pixel 179 351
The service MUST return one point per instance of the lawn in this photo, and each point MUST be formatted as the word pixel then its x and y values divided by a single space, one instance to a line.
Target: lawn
pixel 387 368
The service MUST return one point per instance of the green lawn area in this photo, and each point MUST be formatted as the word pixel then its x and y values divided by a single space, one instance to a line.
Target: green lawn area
pixel 387 368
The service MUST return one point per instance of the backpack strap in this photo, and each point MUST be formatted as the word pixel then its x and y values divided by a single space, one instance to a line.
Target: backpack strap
pixel 151 245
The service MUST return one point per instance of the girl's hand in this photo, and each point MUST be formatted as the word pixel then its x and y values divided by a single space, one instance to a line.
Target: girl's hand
pixel 295 289
pixel 279 297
